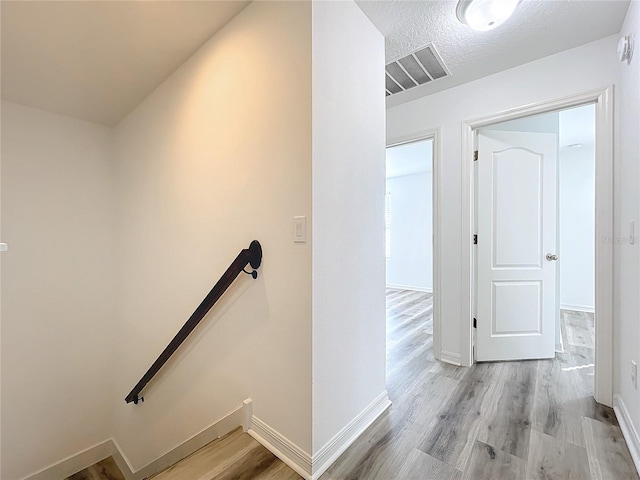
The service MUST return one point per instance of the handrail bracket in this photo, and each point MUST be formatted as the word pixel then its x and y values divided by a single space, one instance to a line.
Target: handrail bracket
pixel 254 257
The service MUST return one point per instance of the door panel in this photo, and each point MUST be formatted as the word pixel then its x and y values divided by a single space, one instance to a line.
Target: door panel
pixel 516 212
pixel 516 308
pixel 517 185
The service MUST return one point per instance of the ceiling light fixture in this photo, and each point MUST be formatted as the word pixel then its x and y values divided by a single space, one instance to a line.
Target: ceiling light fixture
pixel 484 15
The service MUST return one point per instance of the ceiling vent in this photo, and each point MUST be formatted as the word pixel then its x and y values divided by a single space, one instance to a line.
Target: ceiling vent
pixel 417 68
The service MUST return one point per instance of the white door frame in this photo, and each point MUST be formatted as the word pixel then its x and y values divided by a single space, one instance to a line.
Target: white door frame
pixel 433 135
pixel 603 101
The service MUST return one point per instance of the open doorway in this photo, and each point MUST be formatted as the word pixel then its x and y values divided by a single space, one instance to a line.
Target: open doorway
pixel 408 216
pixel 602 99
pixel 576 232
pixel 411 238
pixel 534 214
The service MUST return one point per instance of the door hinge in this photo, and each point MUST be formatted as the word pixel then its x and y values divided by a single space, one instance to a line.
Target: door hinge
pixel 475 156
pixel 475 239
pixel 475 323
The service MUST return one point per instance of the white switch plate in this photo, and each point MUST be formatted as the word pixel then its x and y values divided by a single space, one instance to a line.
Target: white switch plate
pixel 634 374
pixel 4 247
pixel 300 229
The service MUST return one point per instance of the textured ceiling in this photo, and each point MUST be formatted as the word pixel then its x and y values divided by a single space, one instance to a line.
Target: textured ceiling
pixel 537 28
pixel 97 60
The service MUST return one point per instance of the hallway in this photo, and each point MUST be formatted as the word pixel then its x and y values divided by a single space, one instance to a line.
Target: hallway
pixel 511 420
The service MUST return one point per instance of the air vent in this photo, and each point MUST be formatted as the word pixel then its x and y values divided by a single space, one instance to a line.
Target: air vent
pixel 417 68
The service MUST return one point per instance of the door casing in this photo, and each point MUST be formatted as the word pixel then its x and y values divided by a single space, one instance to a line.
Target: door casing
pixel 603 101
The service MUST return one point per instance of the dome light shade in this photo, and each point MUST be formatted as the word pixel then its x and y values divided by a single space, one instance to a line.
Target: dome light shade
pixel 484 15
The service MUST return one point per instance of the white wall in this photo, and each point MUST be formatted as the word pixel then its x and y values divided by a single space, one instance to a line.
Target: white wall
pixel 410 264
pixel 348 217
pixel 627 201
pixel 209 161
pixel 574 71
pixel 218 155
pixel 577 227
pixel 545 123
pixel 58 319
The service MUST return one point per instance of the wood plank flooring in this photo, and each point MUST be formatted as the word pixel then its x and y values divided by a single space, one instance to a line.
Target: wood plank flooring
pixel 103 470
pixel 236 456
pixel 511 420
pixel 532 420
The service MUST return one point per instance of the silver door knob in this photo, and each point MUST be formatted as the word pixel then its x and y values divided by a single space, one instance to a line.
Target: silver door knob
pixel 551 257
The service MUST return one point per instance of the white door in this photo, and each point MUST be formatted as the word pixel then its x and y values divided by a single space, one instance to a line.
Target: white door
pixel 516 252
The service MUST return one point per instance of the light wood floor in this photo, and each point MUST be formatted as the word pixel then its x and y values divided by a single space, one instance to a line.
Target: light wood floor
pixel 103 470
pixel 236 456
pixel 510 420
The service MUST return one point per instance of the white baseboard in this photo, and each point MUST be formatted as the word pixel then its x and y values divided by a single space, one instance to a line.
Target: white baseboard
pixel 311 468
pixel 410 287
pixel 578 308
pixel 299 460
pixel 330 452
pixel 219 428
pixel 74 463
pixel 281 447
pixel 450 357
pixel 123 462
pixel 629 432
pixel 559 345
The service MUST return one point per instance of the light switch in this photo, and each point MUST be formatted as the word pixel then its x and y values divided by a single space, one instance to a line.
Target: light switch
pixel 4 247
pixel 300 229
pixel 632 232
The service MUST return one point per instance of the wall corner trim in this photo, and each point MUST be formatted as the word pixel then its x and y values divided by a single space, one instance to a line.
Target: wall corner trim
pixel 450 357
pixel 311 468
pixel 330 452
pixel 219 428
pixel 410 287
pixel 75 463
pixel 628 430
pixel 281 447
pixel 578 308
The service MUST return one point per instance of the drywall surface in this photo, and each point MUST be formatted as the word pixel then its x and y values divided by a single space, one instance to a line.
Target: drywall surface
pixel 410 264
pixel 218 155
pixel 348 217
pixel 577 227
pixel 545 123
pixel 574 71
pixel 58 325
pixel 627 203
pixel 0 291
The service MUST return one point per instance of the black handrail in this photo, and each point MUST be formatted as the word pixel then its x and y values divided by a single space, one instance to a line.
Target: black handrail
pixel 252 256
